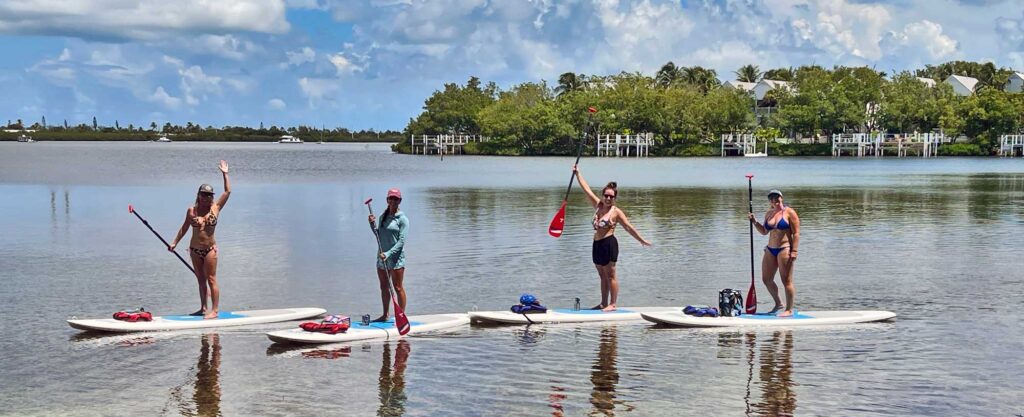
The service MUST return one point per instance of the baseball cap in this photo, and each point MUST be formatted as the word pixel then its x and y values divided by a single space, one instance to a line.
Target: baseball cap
pixel 395 193
pixel 774 192
pixel 206 188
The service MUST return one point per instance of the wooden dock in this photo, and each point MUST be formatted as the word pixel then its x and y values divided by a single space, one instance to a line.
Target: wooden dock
pixel 624 145
pixel 877 144
pixel 442 144
pixel 744 144
pixel 1011 145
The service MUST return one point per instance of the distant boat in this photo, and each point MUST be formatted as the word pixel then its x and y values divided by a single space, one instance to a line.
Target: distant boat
pixel 289 139
pixel 162 139
pixel 25 139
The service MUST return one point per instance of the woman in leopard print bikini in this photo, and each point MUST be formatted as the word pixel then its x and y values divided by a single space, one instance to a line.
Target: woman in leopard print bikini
pixel 203 247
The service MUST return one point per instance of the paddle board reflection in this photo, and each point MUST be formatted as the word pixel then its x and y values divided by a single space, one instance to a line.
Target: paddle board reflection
pixel 604 376
pixel 392 379
pixel 769 358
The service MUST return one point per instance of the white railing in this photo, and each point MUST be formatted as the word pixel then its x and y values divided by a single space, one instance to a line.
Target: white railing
pixel 621 145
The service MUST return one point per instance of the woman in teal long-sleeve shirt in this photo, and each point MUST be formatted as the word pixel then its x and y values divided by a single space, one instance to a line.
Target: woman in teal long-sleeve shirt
pixel 393 228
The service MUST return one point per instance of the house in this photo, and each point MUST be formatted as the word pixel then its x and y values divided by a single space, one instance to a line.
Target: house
pixel 927 81
pixel 740 85
pixel 1016 83
pixel 764 86
pixel 962 86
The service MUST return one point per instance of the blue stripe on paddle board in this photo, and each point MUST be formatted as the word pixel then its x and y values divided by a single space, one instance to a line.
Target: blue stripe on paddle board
pixel 390 324
pixel 571 311
pixel 223 315
pixel 796 315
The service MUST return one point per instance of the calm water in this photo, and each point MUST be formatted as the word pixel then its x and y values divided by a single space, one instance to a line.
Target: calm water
pixel 938 241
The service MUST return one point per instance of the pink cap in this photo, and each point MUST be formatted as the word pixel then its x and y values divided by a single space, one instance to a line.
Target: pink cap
pixel 395 193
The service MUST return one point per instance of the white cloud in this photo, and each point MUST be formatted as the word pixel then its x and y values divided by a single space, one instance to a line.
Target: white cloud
pixel 317 90
pixel 174 62
pixel 299 57
pixel 276 104
pixel 923 36
pixel 161 97
pixel 141 19
pixel 225 46
pixel 196 85
pixel 342 65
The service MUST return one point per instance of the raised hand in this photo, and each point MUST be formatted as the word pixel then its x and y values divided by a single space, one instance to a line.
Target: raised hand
pixel 223 166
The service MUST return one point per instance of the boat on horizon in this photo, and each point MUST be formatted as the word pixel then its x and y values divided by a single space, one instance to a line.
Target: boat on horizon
pixel 162 139
pixel 289 139
pixel 26 139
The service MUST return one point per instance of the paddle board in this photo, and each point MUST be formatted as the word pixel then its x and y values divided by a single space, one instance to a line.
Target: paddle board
pixel 565 315
pixel 381 330
pixel 800 318
pixel 182 322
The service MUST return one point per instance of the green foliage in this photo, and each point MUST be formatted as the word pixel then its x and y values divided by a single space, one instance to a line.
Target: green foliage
pixel 453 110
pixel 526 120
pixel 695 149
pixel 961 149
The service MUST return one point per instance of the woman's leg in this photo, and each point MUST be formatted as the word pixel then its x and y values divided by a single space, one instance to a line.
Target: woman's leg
pixel 604 287
pixel 198 264
pixel 398 277
pixel 210 266
pixel 385 294
pixel 786 272
pixel 613 286
pixel 768 267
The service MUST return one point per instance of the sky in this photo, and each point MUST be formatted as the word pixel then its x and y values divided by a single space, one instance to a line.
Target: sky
pixel 369 64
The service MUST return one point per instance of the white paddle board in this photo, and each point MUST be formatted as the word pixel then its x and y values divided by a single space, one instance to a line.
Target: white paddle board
pixel 224 319
pixel 565 315
pixel 800 318
pixel 378 330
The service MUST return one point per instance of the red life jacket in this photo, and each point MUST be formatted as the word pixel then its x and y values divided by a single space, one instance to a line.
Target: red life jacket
pixel 331 324
pixel 134 316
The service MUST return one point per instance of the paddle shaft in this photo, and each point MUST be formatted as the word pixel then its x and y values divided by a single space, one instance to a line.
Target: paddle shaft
pixel 579 153
pixel 136 213
pixel 751 302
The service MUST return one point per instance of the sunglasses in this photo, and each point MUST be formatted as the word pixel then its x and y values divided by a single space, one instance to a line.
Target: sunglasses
pixel 609 196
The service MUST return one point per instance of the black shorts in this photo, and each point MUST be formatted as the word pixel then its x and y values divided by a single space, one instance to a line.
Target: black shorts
pixel 606 250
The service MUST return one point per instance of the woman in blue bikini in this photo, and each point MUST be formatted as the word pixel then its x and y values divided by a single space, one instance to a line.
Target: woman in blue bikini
pixel 782 225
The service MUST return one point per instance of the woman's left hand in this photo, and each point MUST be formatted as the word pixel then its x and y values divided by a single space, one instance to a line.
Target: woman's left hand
pixel 645 243
pixel 792 255
pixel 383 257
pixel 223 166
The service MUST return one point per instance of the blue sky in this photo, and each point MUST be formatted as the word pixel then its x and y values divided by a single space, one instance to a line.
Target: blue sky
pixel 370 63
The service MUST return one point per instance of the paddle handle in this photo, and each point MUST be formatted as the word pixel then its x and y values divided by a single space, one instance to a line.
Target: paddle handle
pixel 167 245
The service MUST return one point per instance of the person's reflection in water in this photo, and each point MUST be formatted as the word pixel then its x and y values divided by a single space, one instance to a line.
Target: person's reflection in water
pixel 392 380
pixel 775 373
pixel 207 388
pixel 605 375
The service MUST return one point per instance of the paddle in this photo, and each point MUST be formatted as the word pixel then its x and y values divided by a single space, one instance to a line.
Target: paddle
pixel 132 210
pixel 558 222
pixel 401 321
pixel 751 304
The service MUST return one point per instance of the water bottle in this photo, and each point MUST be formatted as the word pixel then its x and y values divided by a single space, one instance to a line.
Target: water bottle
pixel 576 306
pixel 366 319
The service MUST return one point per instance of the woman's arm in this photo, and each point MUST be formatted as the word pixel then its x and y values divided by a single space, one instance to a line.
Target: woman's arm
pixel 403 229
pixel 181 231
pixel 594 201
pixel 227 185
pixel 760 227
pixel 794 232
pixel 629 228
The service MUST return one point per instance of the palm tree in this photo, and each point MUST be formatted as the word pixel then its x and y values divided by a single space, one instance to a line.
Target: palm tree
pixel 748 73
pixel 569 82
pixel 780 74
pixel 703 78
pixel 668 74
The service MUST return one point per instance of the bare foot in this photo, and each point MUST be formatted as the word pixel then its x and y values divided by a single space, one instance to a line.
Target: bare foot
pixel 611 307
pixel 210 315
pixel 787 313
pixel 380 319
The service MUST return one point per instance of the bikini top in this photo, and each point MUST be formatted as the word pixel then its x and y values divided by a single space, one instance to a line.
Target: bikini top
pixel 210 219
pixel 604 222
pixel 781 225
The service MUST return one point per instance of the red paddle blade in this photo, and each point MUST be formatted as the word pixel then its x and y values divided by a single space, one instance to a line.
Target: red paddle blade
pixel 401 321
pixel 558 222
pixel 131 209
pixel 751 300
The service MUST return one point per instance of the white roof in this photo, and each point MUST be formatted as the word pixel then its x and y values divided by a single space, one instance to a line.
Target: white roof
pixel 927 81
pixel 740 85
pixel 1019 75
pixel 775 83
pixel 965 81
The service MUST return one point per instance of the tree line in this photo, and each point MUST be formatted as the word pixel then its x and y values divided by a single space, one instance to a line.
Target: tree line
pixel 190 132
pixel 687 108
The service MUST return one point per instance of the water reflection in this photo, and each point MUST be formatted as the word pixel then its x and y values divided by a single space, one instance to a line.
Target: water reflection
pixel 392 380
pixel 772 359
pixel 604 376
pixel 206 386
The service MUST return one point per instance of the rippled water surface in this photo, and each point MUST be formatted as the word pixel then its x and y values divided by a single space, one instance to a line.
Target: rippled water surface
pixel 936 240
